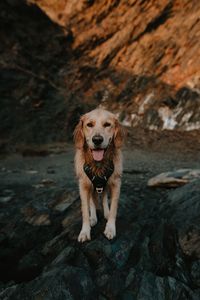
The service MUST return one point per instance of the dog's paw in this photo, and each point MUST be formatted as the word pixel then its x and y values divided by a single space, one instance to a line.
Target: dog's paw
pixel 93 221
pixel 110 230
pixel 84 235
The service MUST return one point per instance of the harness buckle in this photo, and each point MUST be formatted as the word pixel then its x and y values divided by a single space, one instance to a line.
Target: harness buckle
pixel 99 190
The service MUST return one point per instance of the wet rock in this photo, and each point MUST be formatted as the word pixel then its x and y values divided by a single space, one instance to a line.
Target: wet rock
pixel 195 267
pixel 190 242
pixel 29 266
pixel 64 201
pixel 35 217
pixel 45 182
pixel 6 196
pixel 31 171
pixel 64 256
pixel 111 284
pixel 56 245
pixel 117 251
pixel 50 170
pixel 184 207
pixel 155 287
pixel 145 261
pixel 63 283
pixel 147 285
pixel 174 179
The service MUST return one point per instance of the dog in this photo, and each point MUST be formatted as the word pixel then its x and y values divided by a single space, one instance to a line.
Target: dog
pixel 98 140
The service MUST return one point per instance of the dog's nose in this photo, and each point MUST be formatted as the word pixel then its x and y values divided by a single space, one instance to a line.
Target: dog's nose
pixel 97 140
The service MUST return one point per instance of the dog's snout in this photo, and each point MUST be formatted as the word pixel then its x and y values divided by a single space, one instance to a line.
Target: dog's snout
pixel 97 140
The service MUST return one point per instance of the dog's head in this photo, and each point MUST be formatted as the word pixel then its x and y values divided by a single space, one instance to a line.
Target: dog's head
pixel 98 129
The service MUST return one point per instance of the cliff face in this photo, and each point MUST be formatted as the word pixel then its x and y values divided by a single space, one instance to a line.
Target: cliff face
pixel 140 59
pixel 145 55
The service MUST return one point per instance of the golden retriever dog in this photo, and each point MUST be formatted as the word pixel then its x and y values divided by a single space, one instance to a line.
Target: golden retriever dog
pixel 98 165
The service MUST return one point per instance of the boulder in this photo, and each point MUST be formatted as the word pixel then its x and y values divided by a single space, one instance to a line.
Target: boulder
pixel 62 283
pixel 174 179
pixel 184 212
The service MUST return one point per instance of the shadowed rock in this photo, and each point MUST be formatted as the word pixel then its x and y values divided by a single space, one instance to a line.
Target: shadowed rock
pixel 154 256
pixel 184 207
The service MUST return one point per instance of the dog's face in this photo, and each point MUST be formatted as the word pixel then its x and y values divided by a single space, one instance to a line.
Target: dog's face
pixel 98 129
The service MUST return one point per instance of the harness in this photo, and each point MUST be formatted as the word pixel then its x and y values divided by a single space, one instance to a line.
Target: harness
pixel 99 181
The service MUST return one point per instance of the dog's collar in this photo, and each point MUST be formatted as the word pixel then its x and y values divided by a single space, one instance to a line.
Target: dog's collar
pixel 99 181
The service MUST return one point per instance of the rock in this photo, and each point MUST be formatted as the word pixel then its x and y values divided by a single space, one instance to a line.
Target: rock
pixel 118 251
pixel 29 266
pixel 155 287
pixel 62 283
pixel 190 243
pixel 47 181
pixel 64 201
pixel 195 273
pixel 64 256
pixel 6 196
pixel 35 217
pixel 50 170
pixel 184 212
pixel 44 182
pixel 152 257
pixel 148 81
pixel 159 91
pixel 31 171
pixel 38 220
pixel 174 179
pixel 111 284
pixel 56 245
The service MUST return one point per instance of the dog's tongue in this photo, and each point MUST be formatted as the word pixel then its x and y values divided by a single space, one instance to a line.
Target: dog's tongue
pixel 98 154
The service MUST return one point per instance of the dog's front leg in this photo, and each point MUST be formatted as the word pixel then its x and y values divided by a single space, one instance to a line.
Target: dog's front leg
pixel 105 206
pixel 110 230
pixel 85 196
pixel 93 214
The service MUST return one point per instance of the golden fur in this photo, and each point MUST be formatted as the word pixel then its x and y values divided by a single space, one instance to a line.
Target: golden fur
pixel 103 123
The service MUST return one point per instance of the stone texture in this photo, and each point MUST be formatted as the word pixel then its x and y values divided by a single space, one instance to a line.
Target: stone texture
pixel 174 179
pixel 59 283
pixel 138 58
pixel 35 217
pixel 185 215
pixel 154 256
pixel 156 43
pixel 65 201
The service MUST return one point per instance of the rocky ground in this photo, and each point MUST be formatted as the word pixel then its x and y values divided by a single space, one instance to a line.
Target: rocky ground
pixel 154 256
pixel 140 59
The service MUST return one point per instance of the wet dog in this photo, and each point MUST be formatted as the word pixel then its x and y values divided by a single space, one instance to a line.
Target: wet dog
pixel 98 140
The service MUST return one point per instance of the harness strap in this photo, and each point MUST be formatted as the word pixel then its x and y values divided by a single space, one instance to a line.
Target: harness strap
pixel 99 181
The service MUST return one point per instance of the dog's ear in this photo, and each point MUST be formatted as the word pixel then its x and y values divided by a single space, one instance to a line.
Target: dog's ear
pixel 118 135
pixel 78 135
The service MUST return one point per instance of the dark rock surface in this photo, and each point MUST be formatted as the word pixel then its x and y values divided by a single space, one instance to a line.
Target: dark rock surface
pixel 48 77
pixel 186 206
pixel 154 256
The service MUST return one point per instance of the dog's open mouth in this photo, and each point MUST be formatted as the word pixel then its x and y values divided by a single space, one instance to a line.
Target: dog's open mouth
pixel 98 154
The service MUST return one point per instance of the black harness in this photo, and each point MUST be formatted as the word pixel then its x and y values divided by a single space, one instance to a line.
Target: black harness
pixel 99 181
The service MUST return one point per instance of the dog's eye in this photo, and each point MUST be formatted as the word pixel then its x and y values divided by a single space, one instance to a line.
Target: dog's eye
pixel 107 124
pixel 90 124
